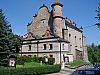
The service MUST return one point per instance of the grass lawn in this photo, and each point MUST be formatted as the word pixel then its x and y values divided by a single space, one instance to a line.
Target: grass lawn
pixel 18 66
pixel 75 63
pixel 31 64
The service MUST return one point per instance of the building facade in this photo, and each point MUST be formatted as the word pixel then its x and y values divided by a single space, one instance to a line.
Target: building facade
pixel 51 35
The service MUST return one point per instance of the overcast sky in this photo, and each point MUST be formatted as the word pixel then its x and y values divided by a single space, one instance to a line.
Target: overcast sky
pixel 19 13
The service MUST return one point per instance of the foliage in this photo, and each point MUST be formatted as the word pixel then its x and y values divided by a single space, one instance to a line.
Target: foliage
pixel 8 41
pixel 32 70
pixel 98 16
pixel 6 37
pixel 17 40
pixel 94 54
pixel 32 64
pixel 51 61
pixel 22 59
pixel 75 63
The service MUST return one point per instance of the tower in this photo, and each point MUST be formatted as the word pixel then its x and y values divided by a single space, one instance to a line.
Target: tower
pixel 57 18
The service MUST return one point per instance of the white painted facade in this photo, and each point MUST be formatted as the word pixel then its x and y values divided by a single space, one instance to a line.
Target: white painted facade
pixel 51 34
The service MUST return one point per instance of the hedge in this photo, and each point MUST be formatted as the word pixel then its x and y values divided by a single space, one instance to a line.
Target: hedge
pixel 22 59
pixel 31 70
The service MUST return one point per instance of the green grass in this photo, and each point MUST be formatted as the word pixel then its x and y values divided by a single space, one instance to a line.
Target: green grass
pixel 75 63
pixel 18 66
pixel 32 64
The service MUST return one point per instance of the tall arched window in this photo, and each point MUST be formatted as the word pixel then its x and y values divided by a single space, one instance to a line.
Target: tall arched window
pixel 75 42
pixel 69 35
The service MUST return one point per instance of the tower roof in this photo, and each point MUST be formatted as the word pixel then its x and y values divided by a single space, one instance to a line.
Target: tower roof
pixel 56 1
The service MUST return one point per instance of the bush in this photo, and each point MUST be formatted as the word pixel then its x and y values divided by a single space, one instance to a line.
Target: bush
pixel 31 70
pixel 51 61
pixel 22 59
pixel 4 62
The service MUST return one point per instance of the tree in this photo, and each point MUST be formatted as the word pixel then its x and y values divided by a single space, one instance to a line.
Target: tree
pixel 98 15
pixel 6 37
pixel 94 53
pixel 9 43
pixel 17 40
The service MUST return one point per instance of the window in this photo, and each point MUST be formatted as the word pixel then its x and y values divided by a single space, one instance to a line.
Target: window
pixel 51 56
pixel 79 38
pixel 69 35
pixel 50 47
pixel 75 36
pixel 29 55
pixel 29 48
pixel 75 42
pixel 34 55
pixel 63 46
pixel 44 46
pixel 43 21
pixel 55 30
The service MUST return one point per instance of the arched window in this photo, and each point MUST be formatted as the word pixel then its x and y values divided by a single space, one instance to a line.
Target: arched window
pixel 29 47
pixel 75 37
pixel 75 42
pixel 51 56
pixel 69 35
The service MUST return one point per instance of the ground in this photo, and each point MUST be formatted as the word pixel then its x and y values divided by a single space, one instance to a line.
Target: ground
pixel 65 71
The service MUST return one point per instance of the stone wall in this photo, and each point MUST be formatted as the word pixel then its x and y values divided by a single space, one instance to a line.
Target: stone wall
pixel 40 22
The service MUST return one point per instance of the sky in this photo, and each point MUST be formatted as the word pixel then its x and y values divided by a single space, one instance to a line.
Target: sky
pixel 19 13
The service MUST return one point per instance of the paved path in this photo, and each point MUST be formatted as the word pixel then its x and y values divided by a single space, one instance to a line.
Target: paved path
pixel 66 71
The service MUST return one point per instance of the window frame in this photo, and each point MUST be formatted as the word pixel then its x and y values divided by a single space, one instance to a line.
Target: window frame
pixel 30 47
pixel 44 47
pixel 50 46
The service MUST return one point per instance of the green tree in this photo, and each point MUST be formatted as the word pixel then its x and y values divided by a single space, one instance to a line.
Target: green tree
pixel 9 43
pixel 6 37
pixel 94 53
pixel 17 40
pixel 98 15
pixel 98 54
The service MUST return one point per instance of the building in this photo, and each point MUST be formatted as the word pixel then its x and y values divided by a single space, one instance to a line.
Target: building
pixel 51 35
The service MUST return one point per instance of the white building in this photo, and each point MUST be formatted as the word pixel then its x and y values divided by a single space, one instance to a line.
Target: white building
pixel 50 34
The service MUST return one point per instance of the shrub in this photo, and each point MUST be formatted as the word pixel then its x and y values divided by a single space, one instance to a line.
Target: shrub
pixel 51 61
pixel 22 59
pixel 31 70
